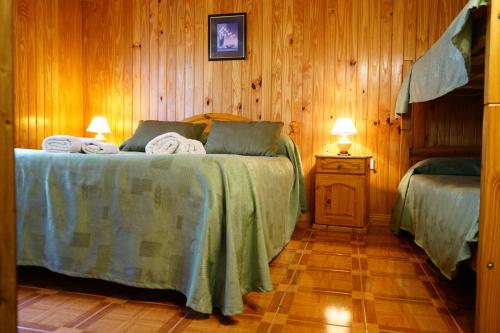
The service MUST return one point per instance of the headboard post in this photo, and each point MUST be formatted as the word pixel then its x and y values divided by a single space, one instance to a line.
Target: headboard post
pixel 294 129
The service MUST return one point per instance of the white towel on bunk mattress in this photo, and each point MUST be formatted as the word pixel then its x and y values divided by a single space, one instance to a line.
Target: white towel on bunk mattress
pixel 97 147
pixel 62 144
pixel 173 143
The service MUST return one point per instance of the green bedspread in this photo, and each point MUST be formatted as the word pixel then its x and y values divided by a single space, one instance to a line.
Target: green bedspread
pixel 205 225
pixel 438 202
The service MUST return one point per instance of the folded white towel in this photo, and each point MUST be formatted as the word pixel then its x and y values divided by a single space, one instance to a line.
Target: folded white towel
pixel 62 144
pixel 97 147
pixel 191 147
pixel 164 144
pixel 173 143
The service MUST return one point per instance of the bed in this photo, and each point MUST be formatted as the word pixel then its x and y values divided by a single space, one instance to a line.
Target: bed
pixel 438 202
pixel 441 108
pixel 204 225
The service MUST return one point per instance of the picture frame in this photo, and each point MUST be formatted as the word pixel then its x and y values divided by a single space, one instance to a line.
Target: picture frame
pixel 227 35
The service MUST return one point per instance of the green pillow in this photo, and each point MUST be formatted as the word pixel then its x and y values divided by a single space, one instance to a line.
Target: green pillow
pixel 150 129
pixel 254 138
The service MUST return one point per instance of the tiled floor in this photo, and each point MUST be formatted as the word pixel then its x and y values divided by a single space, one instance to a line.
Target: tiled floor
pixel 324 282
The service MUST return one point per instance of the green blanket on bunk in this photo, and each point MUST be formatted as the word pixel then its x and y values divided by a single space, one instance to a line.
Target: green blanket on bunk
pixel 205 225
pixel 438 202
pixel 444 67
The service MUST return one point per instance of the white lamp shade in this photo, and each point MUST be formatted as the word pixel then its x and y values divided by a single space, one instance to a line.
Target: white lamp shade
pixel 343 126
pixel 99 125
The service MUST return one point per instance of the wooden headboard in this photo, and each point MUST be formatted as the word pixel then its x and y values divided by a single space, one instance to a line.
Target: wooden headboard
pixel 208 117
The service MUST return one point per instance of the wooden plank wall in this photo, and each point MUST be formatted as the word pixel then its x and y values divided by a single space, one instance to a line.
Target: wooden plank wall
pixel 450 126
pixel 308 61
pixel 48 70
pixel 435 126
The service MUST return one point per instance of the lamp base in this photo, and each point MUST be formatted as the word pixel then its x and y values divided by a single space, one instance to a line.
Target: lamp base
pixel 99 137
pixel 344 144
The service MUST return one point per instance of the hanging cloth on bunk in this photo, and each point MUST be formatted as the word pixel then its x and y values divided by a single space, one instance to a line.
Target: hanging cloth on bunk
pixel 445 67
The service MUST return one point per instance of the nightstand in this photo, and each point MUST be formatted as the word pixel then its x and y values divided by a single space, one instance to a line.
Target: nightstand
pixel 342 192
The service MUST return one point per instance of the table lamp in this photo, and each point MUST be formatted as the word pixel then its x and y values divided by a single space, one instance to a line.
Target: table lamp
pixel 99 125
pixel 343 127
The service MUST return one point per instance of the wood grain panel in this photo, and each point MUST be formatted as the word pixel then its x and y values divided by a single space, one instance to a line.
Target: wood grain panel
pixel 372 118
pixel 450 125
pixel 489 232
pixel 307 61
pixel 488 288
pixel 48 70
pixel 8 308
pixel 384 108
pixel 492 73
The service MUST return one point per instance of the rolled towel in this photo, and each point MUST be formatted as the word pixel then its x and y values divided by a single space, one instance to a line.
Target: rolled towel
pixel 174 143
pixel 62 144
pixel 165 144
pixel 191 147
pixel 97 147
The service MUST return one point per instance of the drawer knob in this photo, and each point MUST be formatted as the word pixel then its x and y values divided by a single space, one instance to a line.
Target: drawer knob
pixel 328 201
pixel 490 265
pixel 339 166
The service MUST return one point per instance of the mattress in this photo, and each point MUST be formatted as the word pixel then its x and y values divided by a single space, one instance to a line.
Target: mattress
pixel 205 225
pixel 442 212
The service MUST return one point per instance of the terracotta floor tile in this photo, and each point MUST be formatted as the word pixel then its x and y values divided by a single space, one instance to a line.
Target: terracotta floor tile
pixel 417 250
pixel 464 318
pixel 25 293
pixel 333 309
pixel 398 287
pixel 330 236
pixel 132 317
pixel 236 324
pixel 327 261
pixel 379 229
pixel 68 330
pixel 384 239
pixel 257 303
pixel 402 315
pixel 286 258
pixel 294 326
pixel 301 234
pixel 60 309
pixel 333 247
pixel 25 330
pixel 278 273
pixel 325 280
pixel 387 251
pixel 393 266
pixel 461 291
pixel 430 269
pixel 295 245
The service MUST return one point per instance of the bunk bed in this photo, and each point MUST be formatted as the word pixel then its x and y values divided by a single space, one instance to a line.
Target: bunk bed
pixel 438 198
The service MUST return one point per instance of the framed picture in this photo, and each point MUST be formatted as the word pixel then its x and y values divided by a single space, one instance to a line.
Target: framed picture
pixel 227 36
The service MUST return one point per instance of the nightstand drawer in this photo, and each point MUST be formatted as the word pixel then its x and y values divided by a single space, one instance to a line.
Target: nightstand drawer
pixel 341 165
